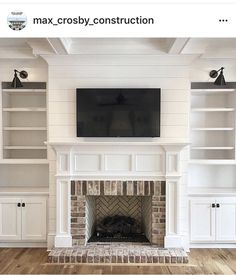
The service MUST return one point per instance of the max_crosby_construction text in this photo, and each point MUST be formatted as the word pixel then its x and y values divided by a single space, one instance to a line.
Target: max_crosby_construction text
pixel 87 21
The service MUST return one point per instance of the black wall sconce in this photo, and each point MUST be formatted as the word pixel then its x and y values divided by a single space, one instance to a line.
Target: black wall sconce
pixel 220 79
pixel 16 83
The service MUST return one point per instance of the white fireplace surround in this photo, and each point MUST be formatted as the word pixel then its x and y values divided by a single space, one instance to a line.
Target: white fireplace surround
pixel 119 161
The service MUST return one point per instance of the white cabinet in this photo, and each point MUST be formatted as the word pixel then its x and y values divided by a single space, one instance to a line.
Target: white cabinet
pixel 226 219
pixel 23 218
pixel 213 220
pixel 34 219
pixel 10 219
pixel 202 220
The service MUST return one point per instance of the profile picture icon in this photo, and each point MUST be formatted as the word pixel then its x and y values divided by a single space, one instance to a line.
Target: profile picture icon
pixel 17 20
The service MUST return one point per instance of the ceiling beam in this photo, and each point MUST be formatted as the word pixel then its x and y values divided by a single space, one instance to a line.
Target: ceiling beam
pixel 40 46
pixel 60 45
pixel 66 43
pixel 177 45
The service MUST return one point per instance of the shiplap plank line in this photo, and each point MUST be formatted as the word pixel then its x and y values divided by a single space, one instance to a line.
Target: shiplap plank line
pixel 119 72
pixel 121 59
pixel 164 83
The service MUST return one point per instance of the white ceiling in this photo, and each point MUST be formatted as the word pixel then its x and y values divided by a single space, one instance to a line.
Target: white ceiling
pixel 202 47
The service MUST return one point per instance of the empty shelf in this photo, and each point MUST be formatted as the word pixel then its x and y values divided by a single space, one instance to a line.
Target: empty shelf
pixel 31 109
pixel 213 129
pixel 212 109
pixel 19 147
pixel 212 148
pixel 25 128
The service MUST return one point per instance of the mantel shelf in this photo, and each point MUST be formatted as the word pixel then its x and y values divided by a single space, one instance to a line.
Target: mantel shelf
pixel 116 143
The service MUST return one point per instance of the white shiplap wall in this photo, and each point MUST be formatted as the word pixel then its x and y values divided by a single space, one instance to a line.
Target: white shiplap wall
pixel 66 73
pixel 171 74
pixel 36 68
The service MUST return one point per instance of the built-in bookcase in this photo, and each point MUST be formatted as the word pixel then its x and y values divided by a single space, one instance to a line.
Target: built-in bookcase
pixel 213 124
pixel 24 121
pixel 23 158
pixel 212 137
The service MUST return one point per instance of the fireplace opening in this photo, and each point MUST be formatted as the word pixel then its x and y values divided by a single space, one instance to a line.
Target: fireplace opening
pixel 136 208
pixel 118 218
pixel 118 229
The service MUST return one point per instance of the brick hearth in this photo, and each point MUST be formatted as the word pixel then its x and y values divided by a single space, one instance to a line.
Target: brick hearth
pixel 118 253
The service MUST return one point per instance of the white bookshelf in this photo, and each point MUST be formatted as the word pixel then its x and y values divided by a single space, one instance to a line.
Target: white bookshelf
pixel 23 158
pixel 212 124
pixel 24 122
pixel 212 133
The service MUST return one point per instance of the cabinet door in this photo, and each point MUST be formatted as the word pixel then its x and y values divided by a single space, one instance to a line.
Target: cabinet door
pixel 10 219
pixel 34 219
pixel 202 220
pixel 226 219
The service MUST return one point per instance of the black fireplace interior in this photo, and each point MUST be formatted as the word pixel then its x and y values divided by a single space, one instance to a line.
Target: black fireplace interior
pixel 118 228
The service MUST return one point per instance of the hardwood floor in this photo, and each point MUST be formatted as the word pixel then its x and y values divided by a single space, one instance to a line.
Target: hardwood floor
pixel 34 261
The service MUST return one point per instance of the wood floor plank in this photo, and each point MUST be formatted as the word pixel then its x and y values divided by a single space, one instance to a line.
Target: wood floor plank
pixel 34 261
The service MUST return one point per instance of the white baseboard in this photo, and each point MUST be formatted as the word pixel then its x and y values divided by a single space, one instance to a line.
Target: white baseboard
pixel 172 241
pixel 63 241
pixel 212 245
pixel 22 244
pixel 51 240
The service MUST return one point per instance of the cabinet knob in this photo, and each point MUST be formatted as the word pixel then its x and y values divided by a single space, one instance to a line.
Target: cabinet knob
pixel 23 204
pixel 18 204
pixel 213 205
pixel 217 205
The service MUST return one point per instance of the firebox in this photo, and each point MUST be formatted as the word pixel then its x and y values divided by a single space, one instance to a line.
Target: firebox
pixel 119 218
pixel 118 211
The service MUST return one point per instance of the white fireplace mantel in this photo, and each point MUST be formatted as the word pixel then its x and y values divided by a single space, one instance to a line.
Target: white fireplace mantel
pixel 90 160
pixel 118 161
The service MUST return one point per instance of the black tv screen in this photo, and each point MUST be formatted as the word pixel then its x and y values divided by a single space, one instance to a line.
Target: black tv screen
pixel 118 112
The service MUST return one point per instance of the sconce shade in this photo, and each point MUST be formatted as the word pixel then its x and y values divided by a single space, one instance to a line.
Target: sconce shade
pixel 220 79
pixel 16 83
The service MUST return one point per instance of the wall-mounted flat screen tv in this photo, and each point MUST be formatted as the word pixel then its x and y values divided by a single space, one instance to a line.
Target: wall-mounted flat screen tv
pixel 118 112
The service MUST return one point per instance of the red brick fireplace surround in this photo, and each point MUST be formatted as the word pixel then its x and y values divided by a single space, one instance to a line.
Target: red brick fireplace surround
pixel 142 181
pixel 151 208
